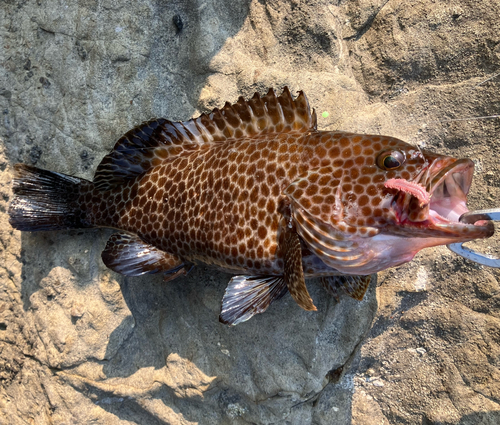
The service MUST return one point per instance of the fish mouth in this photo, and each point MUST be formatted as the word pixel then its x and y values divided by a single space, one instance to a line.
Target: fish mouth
pixel 447 182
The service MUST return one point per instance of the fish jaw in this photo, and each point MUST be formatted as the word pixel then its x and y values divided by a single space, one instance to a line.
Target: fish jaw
pixel 385 251
pixel 447 182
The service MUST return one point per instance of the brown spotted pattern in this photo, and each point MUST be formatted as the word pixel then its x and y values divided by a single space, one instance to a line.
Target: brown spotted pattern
pixel 346 188
pixel 219 204
pixel 216 199
pixel 255 189
pixel 147 145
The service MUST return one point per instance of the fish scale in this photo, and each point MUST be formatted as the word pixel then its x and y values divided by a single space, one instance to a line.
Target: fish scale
pixel 255 189
pixel 218 207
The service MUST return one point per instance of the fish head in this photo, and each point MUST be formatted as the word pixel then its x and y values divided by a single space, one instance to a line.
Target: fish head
pixel 380 202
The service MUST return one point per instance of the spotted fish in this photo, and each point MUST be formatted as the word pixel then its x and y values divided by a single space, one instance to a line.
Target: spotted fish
pixel 256 190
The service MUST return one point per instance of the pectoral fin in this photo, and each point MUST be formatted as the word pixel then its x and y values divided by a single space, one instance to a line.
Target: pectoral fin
pixel 131 256
pixel 354 286
pixel 246 296
pixel 293 273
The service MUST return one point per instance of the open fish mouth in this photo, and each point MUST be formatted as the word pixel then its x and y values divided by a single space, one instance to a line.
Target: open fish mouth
pixel 447 185
pixel 448 190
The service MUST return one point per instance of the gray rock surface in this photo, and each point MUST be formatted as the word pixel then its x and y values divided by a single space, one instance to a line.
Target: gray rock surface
pixel 81 344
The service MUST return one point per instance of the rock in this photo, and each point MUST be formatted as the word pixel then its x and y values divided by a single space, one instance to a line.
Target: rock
pixel 80 344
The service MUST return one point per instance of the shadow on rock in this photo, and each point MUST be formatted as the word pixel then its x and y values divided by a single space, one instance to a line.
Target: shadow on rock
pixel 475 418
pixel 278 364
pixel 143 350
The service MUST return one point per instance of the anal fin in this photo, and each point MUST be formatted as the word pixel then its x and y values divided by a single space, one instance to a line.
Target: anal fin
pixel 353 285
pixel 129 255
pixel 246 296
pixel 293 273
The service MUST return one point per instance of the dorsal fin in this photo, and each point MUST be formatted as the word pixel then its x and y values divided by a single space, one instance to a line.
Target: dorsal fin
pixel 264 115
pixel 144 147
pixel 147 144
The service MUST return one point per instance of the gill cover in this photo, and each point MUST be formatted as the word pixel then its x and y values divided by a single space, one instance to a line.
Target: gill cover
pixel 318 213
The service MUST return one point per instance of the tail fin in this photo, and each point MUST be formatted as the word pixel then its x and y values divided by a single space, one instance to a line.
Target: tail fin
pixel 45 200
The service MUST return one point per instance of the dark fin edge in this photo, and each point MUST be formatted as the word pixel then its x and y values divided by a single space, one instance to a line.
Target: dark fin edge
pixel 45 200
pixel 140 149
pixel 146 145
pixel 353 285
pixel 246 296
pixel 129 255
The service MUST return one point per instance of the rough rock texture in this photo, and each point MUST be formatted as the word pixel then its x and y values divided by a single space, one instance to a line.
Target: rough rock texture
pixel 80 344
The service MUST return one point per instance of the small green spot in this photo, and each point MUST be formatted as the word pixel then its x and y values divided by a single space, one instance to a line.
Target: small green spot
pixel 325 114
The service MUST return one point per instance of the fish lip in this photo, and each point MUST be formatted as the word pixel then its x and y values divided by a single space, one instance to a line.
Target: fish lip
pixel 448 184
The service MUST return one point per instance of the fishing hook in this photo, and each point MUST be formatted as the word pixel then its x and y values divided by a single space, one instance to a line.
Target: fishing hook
pixel 472 217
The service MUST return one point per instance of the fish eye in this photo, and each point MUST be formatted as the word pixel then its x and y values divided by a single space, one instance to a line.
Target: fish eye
pixel 390 160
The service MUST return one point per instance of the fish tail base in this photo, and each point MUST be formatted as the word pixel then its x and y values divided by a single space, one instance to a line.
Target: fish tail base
pixel 45 200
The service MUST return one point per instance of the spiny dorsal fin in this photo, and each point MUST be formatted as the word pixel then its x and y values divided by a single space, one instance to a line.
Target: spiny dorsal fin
pixel 144 147
pixel 148 144
pixel 264 115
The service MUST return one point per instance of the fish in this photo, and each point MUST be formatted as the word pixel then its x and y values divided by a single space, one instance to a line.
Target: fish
pixel 256 190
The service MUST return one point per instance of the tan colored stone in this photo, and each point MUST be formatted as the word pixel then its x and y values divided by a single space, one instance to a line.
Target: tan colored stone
pixel 79 344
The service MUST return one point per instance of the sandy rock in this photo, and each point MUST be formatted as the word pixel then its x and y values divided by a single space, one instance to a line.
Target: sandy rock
pixel 81 344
